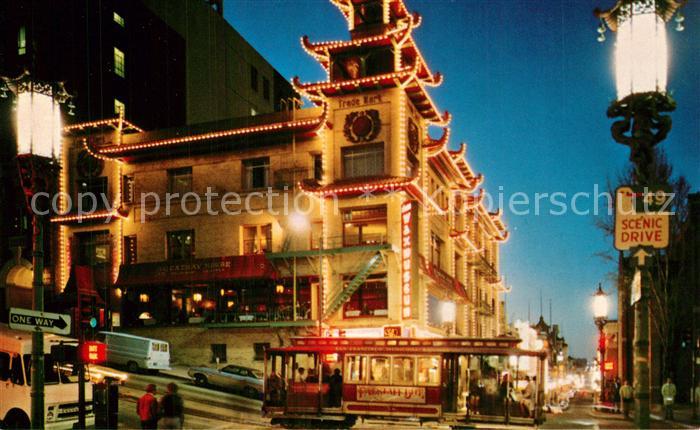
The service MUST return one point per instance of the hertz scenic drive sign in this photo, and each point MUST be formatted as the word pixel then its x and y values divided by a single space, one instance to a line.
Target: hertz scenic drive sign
pixel 641 218
pixel 47 322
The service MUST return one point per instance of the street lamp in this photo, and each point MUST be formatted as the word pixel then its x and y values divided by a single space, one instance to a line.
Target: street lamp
pixel 600 316
pixel 641 63
pixel 38 132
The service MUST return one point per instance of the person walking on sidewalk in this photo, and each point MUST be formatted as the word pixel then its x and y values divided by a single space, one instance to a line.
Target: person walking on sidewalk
pixel 626 394
pixel 668 392
pixel 172 409
pixel 147 408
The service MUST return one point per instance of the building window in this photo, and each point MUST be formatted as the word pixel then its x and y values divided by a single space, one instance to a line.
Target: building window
pixel 22 40
pixel 218 353
pixel 118 19
pixel 94 248
pixel 92 192
pixel 254 78
pixel 253 111
pixel 436 245
pixel 365 160
pixel 127 189
pixel 370 300
pixel 364 226
pixel 180 245
pixel 318 166
pixel 119 68
pixel 266 88
pixel 119 106
pixel 256 173
pixel 259 350
pixel 130 249
pixel 180 180
pixel 257 239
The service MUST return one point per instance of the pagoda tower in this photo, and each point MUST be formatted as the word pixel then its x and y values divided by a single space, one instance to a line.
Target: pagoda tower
pixel 409 247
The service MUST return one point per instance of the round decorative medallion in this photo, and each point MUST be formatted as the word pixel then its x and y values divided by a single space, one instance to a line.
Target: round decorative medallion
pixel 362 126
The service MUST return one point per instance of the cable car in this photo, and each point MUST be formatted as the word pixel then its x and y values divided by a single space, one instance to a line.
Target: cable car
pixel 453 381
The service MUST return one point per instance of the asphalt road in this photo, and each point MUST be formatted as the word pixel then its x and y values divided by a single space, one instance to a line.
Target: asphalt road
pixel 205 408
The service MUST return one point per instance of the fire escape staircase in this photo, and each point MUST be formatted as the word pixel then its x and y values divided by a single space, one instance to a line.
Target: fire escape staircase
pixel 344 294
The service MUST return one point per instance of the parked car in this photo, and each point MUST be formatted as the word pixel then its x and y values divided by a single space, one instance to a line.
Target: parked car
pixel 136 353
pixel 237 378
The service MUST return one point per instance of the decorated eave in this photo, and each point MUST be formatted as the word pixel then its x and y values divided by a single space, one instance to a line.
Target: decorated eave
pixel 110 123
pixel 495 226
pixel 453 163
pixel 398 35
pixel 369 187
pixel 105 215
pixel 665 9
pixel 126 151
pixel 318 91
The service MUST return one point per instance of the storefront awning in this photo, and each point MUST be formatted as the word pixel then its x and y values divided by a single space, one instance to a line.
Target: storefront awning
pixel 245 267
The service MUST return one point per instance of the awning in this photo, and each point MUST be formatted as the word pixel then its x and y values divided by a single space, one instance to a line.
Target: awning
pixel 245 267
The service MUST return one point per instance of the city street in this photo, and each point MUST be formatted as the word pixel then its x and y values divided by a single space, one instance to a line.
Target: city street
pixel 204 408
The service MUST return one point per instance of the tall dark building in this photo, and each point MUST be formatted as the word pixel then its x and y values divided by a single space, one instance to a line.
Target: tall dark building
pixel 165 63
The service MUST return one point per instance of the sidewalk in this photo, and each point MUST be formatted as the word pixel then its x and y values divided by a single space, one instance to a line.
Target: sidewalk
pixel 683 415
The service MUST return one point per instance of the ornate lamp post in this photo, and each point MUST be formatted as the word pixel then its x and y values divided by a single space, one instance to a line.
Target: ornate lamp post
pixel 39 130
pixel 641 64
pixel 600 316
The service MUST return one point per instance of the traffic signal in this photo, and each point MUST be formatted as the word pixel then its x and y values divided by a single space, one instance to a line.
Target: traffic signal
pixel 93 352
pixel 90 315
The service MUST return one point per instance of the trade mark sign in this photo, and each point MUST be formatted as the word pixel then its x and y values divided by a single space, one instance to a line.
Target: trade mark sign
pixel 641 217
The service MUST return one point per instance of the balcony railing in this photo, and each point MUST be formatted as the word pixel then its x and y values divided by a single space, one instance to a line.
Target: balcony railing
pixel 289 177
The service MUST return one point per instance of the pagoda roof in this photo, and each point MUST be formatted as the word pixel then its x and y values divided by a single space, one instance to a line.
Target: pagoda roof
pixel 103 123
pixel 145 144
pixel 399 34
pixel 407 79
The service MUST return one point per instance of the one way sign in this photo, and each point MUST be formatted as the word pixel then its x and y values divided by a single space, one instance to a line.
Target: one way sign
pixel 29 320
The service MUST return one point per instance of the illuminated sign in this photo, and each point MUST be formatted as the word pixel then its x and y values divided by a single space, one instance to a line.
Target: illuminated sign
pixel 406 217
pixel 392 331
pixel 373 393
pixel 93 352
pixel 641 217
pixel 608 365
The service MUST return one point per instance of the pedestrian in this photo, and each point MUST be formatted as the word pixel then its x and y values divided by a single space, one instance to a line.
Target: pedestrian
pixel 668 392
pixel 616 395
pixel 300 376
pixel 172 409
pixel 526 404
pixel 696 395
pixel 275 387
pixel 147 408
pixel 626 395
pixel 335 384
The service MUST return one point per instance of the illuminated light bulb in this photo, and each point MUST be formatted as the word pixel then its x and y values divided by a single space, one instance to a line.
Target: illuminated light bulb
pixel 601 38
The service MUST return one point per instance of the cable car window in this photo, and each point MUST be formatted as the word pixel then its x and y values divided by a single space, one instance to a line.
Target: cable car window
pixel 379 370
pixel 403 371
pixel 428 370
pixel 355 368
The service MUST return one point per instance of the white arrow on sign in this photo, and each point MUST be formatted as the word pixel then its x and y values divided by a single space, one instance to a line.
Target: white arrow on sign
pixel 641 256
pixel 47 322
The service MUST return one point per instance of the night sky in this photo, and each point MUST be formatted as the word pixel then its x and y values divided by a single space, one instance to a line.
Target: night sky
pixel 528 86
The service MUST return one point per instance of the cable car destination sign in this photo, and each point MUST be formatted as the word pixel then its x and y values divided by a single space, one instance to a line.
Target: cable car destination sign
pixel 641 217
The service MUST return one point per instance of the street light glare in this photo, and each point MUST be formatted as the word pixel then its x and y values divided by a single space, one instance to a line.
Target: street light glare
pixel 600 305
pixel 298 222
pixel 641 54
pixel 38 124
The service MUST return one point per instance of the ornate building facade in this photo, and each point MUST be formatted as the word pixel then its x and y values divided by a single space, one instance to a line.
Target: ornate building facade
pixel 345 219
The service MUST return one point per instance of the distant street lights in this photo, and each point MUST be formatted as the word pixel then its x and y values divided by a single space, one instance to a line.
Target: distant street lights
pixel 38 132
pixel 600 316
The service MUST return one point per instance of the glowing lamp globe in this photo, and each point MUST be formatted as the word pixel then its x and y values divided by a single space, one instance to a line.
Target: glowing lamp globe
pixel 38 124
pixel 600 304
pixel 299 222
pixel 641 50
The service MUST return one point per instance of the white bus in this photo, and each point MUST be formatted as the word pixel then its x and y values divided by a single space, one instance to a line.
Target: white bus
pixel 60 390
pixel 136 353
